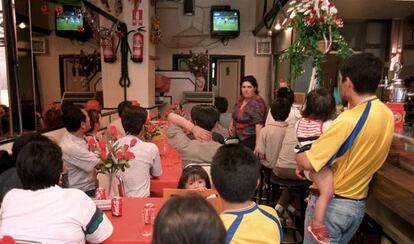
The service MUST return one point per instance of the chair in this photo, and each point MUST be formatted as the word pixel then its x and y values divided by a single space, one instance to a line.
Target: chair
pixel 211 196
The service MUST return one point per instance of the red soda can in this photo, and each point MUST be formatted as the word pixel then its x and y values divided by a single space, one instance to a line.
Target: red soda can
pixel 116 206
pixel 100 194
pixel 148 213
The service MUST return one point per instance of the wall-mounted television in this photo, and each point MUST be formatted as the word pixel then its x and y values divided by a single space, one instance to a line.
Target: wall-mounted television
pixel 68 23
pixel 225 23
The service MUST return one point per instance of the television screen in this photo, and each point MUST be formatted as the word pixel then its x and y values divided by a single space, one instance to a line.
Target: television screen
pixel 68 23
pixel 225 22
pixel 69 20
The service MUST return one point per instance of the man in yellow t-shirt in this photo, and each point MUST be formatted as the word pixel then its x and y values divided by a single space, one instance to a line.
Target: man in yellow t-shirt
pixel 356 146
pixel 235 172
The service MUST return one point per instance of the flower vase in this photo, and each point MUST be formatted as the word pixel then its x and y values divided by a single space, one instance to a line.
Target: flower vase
pixel 200 82
pixel 116 185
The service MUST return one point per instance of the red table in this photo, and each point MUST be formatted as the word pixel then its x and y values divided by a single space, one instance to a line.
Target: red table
pixel 171 172
pixel 127 228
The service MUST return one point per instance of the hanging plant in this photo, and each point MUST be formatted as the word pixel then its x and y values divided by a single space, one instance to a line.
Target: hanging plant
pixel 316 25
pixel 198 63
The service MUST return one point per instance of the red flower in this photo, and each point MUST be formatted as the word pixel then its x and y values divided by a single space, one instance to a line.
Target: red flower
pixel 151 128
pixel 113 131
pixel 81 29
pixel 102 144
pixel 133 142
pixel 339 22
pixel 152 116
pixel 119 155
pixel 129 155
pixel 59 9
pixel 91 141
pixel 126 146
pixel 321 19
pixel 44 8
pixel 104 155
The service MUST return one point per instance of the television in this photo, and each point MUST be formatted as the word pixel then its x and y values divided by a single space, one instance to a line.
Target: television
pixel 70 21
pixel 225 23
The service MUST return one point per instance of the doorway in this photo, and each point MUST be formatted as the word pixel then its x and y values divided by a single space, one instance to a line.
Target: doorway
pixel 225 74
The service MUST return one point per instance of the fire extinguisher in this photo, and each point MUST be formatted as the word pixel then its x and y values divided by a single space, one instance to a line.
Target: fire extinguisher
pixel 137 46
pixel 108 50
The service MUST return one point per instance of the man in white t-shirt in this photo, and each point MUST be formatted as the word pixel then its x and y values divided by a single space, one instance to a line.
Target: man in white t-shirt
pixel 146 162
pixel 80 162
pixel 43 211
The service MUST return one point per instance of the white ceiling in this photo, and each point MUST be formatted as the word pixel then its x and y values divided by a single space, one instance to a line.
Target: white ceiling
pixel 375 9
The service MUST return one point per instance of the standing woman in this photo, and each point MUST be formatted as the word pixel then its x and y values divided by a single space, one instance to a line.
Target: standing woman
pixel 249 112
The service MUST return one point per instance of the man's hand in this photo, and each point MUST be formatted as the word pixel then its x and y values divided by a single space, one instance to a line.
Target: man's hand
pixel 259 154
pixel 201 134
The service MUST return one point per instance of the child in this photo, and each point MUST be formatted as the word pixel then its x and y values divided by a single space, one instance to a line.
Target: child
pixel 317 115
pixel 194 177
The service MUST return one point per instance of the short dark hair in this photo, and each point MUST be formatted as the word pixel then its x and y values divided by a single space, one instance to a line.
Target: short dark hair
pixel 235 171
pixel 23 140
pixel 205 116
pixel 280 109
pixel 221 104
pixel 188 219
pixel 319 104
pixel 364 70
pixel 94 116
pixel 39 165
pixel 287 93
pixel 192 172
pixel 122 105
pixel 252 80
pixel 72 117
pixel 133 118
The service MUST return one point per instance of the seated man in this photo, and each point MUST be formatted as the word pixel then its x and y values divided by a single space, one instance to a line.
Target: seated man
pixel 117 122
pixel 235 172
pixel 204 118
pixel 147 158
pixel 79 160
pixel 44 212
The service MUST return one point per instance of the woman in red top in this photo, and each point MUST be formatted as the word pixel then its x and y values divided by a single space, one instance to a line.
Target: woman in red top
pixel 249 112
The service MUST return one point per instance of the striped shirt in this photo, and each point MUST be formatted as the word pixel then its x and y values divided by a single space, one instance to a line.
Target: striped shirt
pixel 308 130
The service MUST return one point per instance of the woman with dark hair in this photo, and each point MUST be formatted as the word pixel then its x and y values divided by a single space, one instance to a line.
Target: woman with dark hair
pixel 249 112
pixel 95 122
pixel 54 215
pixel 188 219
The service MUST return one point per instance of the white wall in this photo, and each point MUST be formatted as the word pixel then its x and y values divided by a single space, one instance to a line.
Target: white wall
pixel 182 33
pixel 48 65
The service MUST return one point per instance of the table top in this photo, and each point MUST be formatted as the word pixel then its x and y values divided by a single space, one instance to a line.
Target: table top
pixel 171 173
pixel 128 227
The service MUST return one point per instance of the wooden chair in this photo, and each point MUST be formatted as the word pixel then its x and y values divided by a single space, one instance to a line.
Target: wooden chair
pixel 211 196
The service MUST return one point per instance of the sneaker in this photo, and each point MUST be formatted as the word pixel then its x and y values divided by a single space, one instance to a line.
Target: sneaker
pixel 320 234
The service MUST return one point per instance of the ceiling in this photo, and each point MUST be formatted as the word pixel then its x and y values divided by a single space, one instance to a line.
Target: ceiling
pixel 375 9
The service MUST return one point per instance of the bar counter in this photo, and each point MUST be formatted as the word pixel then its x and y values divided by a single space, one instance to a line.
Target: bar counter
pixel 391 199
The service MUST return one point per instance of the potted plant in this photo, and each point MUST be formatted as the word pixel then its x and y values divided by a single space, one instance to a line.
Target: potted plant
pixel 316 25
pixel 198 65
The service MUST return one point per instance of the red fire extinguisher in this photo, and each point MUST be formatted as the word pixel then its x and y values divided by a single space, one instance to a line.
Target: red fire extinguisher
pixel 137 47
pixel 108 50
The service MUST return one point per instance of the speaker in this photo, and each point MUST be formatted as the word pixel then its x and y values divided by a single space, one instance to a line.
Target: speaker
pixel 188 7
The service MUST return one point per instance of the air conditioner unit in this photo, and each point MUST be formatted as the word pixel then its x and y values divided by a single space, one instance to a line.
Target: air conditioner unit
pixel 198 97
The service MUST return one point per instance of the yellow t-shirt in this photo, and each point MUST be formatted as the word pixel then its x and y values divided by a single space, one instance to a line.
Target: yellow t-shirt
pixel 353 170
pixel 254 224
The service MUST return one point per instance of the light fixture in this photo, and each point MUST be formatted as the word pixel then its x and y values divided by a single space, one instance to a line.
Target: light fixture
pixel 278 26
pixel 22 25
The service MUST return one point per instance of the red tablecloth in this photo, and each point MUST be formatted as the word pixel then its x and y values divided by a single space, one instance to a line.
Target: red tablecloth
pixel 127 228
pixel 171 172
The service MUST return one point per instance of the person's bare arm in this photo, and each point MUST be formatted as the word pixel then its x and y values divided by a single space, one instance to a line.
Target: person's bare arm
pixel 198 132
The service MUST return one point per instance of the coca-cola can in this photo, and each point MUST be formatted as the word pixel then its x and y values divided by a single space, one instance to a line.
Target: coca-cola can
pixel 148 213
pixel 100 194
pixel 116 206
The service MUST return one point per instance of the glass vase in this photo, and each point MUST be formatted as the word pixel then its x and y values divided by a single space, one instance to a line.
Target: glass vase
pixel 116 185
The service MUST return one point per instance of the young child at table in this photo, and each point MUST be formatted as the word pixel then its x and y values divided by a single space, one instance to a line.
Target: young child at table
pixel 194 177
pixel 317 115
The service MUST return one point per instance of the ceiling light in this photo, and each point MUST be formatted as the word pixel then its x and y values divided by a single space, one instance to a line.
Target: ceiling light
pixel 22 25
pixel 278 26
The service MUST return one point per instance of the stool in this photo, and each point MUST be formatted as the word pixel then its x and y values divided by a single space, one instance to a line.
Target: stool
pixel 263 187
pixel 301 186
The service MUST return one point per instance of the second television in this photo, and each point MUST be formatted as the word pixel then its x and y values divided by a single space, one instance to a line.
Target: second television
pixel 225 23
